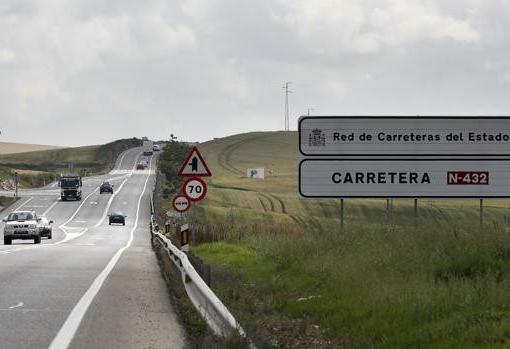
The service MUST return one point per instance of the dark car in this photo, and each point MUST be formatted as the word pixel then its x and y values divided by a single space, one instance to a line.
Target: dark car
pixel 117 217
pixel 106 188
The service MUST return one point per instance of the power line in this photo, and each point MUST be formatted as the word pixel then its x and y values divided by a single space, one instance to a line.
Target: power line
pixel 287 91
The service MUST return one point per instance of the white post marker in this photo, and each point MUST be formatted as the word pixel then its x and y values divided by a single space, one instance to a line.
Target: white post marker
pixel 181 203
pixel 195 189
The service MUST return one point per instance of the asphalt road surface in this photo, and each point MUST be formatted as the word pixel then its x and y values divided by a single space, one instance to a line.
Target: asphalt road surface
pixel 93 285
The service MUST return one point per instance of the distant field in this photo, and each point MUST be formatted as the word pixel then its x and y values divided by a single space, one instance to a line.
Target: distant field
pixel 39 167
pixel 13 148
pixel 384 283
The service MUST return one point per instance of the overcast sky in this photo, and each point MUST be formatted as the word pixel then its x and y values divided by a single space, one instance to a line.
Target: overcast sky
pixel 76 72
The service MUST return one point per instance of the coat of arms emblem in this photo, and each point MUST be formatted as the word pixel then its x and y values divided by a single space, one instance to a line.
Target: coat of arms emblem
pixel 317 138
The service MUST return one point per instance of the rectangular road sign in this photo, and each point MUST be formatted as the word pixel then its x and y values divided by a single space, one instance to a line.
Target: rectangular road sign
pixel 433 136
pixel 404 178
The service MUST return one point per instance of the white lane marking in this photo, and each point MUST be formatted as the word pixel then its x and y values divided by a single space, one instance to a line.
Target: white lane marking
pixel 81 222
pixel 70 326
pixel 49 208
pixel 19 305
pixel 23 204
pixel 71 236
pixel 67 235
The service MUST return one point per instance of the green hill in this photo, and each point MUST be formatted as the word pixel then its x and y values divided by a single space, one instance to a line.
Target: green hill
pixel 39 167
pixel 439 282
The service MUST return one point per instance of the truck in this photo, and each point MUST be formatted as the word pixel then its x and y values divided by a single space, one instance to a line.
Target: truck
pixel 70 186
pixel 147 148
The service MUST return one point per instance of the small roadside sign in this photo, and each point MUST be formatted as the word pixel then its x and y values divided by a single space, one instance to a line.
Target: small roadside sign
pixel 195 189
pixel 181 203
pixel 195 165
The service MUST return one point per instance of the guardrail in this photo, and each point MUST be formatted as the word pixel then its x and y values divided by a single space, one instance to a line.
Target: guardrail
pixel 214 312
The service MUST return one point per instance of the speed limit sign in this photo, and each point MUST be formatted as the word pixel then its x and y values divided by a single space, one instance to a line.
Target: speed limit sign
pixel 194 189
pixel 181 203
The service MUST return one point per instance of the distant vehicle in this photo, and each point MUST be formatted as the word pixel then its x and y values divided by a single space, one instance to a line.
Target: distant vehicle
pixel 106 187
pixel 147 148
pixel 117 217
pixel 155 147
pixel 140 166
pixel 22 225
pixel 45 227
pixel 70 186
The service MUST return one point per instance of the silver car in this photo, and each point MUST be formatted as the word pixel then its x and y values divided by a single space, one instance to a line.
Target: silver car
pixel 22 225
pixel 45 227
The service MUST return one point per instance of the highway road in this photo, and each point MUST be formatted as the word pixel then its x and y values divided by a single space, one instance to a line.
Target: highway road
pixel 92 285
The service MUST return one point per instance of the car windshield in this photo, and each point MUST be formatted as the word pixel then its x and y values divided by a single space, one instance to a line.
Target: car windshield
pixel 20 216
pixel 69 182
pixel 106 184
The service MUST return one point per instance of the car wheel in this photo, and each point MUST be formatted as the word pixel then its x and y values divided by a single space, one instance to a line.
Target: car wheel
pixel 37 240
pixel 50 235
pixel 123 223
pixel 7 241
pixel 63 199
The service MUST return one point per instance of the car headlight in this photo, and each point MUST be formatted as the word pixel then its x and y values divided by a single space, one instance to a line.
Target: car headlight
pixel 32 226
pixel 8 228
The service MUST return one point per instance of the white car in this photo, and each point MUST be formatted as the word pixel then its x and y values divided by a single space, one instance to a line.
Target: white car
pixel 45 227
pixel 22 225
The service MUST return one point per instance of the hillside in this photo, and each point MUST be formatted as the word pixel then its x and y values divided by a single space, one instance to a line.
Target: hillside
pixel 292 277
pixel 40 167
pixel 275 199
pixel 14 148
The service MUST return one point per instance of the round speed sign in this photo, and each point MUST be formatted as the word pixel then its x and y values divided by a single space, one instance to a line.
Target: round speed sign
pixel 181 203
pixel 195 189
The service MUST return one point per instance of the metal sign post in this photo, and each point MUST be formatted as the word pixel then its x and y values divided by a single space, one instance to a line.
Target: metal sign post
pixel 481 212
pixel 342 217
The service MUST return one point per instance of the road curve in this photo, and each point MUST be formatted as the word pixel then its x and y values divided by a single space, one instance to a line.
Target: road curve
pixel 92 285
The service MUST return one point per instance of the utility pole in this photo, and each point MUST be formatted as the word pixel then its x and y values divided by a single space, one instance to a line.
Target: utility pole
pixel 16 183
pixel 309 110
pixel 287 91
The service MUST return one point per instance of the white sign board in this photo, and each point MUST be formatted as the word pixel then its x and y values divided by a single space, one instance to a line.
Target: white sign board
pixel 404 178
pixel 434 136
pixel 256 173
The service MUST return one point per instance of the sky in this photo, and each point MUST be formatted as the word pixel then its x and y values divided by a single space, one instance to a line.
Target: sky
pixel 76 72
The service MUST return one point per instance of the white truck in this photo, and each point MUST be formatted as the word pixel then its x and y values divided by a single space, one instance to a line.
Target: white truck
pixel 147 148
pixel 23 225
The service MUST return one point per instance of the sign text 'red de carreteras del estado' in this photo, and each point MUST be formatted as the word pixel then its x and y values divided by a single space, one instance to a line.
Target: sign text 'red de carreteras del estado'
pixel 404 156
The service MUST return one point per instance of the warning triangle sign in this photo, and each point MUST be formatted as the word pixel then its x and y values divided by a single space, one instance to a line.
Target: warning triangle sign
pixel 195 165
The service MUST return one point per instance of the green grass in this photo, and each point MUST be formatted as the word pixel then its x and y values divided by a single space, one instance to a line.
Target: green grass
pixel 383 284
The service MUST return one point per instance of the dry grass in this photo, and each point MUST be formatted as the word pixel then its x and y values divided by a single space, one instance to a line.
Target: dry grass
pixel 15 148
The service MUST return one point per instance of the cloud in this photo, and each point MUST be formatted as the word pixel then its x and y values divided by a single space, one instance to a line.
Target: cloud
pixel 331 27
pixel 89 71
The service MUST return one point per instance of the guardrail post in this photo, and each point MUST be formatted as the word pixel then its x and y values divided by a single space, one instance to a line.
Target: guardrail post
pixel 185 238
